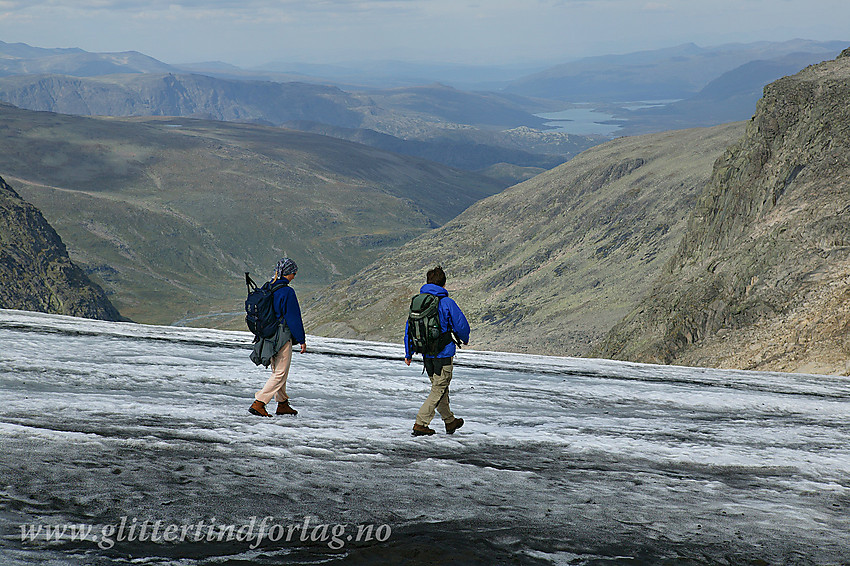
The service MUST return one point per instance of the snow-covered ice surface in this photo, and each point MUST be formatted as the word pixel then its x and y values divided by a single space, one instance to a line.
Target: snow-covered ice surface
pixel 561 461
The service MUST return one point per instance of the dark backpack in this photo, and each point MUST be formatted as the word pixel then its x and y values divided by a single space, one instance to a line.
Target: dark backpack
pixel 424 335
pixel 259 307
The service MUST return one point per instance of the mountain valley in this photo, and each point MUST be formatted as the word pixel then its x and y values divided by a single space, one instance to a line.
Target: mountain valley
pixel 167 213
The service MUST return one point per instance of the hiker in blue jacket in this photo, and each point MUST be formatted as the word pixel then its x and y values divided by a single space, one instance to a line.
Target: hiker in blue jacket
pixel 439 367
pixel 277 350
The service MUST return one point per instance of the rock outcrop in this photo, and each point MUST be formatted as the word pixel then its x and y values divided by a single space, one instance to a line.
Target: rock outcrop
pixel 761 279
pixel 36 273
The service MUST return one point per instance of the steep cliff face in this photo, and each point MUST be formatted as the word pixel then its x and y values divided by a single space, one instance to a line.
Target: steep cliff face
pixel 35 271
pixel 761 277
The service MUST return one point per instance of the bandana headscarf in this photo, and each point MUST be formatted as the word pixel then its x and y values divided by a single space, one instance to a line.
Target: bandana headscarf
pixel 284 267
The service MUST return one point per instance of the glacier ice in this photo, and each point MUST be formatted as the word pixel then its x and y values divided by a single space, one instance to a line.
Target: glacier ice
pixel 561 460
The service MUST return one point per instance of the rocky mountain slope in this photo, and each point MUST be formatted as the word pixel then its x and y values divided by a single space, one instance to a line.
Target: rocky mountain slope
pixel 36 273
pixel 166 214
pixel 761 279
pixel 549 265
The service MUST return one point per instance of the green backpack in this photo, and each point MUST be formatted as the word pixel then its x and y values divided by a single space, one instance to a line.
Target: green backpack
pixel 424 335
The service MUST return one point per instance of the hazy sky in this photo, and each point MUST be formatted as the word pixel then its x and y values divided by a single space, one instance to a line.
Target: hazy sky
pixel 253 32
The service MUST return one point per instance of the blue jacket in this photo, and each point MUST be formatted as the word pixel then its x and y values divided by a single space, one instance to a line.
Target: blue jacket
pixel 451 317
pixel 286 307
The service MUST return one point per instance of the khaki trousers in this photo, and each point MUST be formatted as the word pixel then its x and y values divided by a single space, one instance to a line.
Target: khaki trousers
pixel 276 385
pixel 438 399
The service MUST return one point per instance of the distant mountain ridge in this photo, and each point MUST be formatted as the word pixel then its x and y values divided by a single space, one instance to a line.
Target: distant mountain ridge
pixel 730 97
pixel 434 121
pixel 469 130
pixel 198 96
pixel 670 73
pixel 421 121
pixel 22 51
pixel 36 273
pixel 20 58
pixel 175 94
pixel 423 117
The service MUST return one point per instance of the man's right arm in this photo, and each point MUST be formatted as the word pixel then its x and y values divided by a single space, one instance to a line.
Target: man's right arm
pixel 460 325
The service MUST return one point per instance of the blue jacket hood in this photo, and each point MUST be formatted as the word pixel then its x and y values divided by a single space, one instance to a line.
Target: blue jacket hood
pixel 432 289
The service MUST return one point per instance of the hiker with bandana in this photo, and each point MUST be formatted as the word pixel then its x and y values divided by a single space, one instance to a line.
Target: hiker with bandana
pixel 277 351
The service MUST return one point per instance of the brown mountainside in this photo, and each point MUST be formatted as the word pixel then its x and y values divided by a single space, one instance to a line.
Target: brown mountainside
pixel 551 264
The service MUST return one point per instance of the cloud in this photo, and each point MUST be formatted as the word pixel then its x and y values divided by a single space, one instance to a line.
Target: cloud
pixel 480 31
pixel 204 5
pixel 236 11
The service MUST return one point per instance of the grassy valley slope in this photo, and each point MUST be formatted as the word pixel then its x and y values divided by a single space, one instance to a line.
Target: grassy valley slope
pixel 166 214
pixel 551 264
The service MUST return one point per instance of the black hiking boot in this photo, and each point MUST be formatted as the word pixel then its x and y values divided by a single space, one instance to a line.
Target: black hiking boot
pixel 451 427
pixel 419 430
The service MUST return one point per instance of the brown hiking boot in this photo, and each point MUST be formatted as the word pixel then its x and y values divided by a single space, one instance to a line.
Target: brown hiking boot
pixel 258 409
pixel 419 430
pixel 283 408
pixel 453 426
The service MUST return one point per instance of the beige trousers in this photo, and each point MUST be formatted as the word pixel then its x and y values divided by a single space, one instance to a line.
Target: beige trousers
pixel 438 399
pixel 276 385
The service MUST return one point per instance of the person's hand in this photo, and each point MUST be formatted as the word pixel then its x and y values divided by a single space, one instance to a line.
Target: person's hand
pixel 407 361
pixel 303 347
